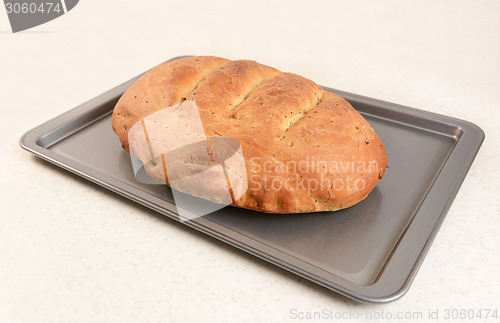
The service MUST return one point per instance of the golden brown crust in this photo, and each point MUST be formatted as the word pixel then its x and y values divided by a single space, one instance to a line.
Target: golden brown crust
pixel 305 149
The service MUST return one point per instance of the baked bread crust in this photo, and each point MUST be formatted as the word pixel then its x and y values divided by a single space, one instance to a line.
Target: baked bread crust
pixel 292 132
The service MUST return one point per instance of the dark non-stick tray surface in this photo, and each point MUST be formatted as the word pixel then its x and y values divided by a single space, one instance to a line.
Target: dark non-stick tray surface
pixel 369 252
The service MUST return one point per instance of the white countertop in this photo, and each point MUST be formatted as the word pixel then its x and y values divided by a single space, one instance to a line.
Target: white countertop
pixel 71 251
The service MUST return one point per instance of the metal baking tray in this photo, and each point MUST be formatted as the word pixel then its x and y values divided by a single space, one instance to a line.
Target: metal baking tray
pixel 370 252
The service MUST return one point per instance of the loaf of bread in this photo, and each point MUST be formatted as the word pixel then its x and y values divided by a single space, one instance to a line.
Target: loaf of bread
pixel 303 149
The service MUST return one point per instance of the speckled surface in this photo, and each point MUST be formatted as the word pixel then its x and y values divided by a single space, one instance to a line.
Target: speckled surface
pixel 71 251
